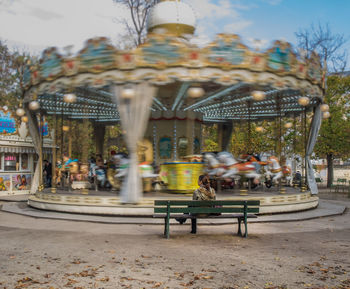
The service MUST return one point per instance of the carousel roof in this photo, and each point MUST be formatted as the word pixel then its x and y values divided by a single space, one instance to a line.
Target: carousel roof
pixel 227 70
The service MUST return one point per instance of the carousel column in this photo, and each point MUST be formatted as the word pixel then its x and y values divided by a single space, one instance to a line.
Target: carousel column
pixel 34 133
pixel 134 103
pixel 70 139
pixel 280 135
pixel 201 139
pixel 294 164
pixel 99 134
pixel 155 142
pixel 193 136
pixel 54 156
pixel 304 188
pixel 314 130
pixel 85 154
pixel 40 161
pixel 224 135
pixel 175 141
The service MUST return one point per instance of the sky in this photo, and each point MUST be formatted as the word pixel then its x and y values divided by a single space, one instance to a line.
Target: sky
pixel 37 24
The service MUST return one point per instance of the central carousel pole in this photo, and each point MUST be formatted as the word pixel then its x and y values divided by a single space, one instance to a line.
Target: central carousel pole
pixel 134 103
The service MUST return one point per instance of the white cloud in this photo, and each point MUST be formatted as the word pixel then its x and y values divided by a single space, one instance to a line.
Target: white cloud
pixel 210 9
pixel 236 27
pixel 218 16
pixel 258 44
pixel 43 23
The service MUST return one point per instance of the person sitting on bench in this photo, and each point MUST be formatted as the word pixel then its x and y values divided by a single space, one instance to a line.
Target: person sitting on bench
pixel 204 193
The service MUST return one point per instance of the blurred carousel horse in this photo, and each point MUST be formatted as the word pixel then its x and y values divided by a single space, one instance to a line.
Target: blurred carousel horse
pixel 273 169
pixel 247 169
pixel 226 166
pixel 213 165
pixel 287 174
pixel 121 167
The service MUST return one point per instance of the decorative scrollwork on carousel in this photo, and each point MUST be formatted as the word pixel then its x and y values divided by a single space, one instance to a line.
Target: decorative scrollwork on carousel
pixel 165 58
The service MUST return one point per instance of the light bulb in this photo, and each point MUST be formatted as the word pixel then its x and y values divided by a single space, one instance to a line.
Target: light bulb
pixel 258 95
pixel 324 107
pixel 259 129
pixel 195 92
pixel 326 114
pixel 304 101
pixel 65 128
pixel 288 125
pixel 20 111
pixel 128 93
pixel 34 105
pixel 70 97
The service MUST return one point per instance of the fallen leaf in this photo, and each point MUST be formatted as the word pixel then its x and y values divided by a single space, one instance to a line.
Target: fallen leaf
pixel 208 277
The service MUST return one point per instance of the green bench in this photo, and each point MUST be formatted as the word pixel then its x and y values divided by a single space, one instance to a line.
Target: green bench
pixel 241 210
pixel 339 185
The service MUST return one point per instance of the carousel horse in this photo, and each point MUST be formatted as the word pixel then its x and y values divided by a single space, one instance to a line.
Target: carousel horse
pixel 98 172
pixel 213 166
pixel 287 174
pixel 122 163
pixel 273 170
pixel 234 168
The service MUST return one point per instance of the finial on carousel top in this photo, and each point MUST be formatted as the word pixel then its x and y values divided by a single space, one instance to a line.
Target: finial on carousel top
pixel 172 16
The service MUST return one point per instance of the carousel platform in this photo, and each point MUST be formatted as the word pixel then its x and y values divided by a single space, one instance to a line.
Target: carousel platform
pixel 108 202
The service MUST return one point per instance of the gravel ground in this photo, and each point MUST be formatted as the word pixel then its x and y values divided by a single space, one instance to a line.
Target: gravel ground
pixel 42 253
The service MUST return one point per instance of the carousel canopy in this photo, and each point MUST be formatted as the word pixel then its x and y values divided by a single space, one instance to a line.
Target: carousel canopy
pixel 231 82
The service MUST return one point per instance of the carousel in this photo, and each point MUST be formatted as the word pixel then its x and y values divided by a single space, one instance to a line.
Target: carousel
pixel 163 93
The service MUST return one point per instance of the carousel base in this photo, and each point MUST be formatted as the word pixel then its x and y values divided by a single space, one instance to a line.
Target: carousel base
pixel 108 202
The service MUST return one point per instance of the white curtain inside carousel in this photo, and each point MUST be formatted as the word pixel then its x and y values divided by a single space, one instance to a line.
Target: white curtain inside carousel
pixel 314 129
pixel 134 112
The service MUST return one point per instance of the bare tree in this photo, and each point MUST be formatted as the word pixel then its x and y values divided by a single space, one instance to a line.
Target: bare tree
pixel 139 10
pixel 328 45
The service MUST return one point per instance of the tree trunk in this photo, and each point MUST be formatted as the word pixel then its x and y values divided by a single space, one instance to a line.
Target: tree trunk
pixel 329 170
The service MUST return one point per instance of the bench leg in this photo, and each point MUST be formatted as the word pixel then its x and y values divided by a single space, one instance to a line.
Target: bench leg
pixel 194 226
pixel 246 228
pixel 166 227
pixel 239 232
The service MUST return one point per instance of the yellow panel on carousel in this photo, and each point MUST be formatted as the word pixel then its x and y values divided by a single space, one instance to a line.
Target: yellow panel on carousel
pixel 182 177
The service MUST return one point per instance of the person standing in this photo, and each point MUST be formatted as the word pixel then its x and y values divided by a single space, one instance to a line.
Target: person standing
pixel 47 173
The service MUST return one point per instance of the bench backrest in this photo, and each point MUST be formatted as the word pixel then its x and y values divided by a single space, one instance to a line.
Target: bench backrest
pixel 205 207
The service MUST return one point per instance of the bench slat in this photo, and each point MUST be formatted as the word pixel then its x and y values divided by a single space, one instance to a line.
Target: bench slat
pixel 205 203
pixel 204 210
